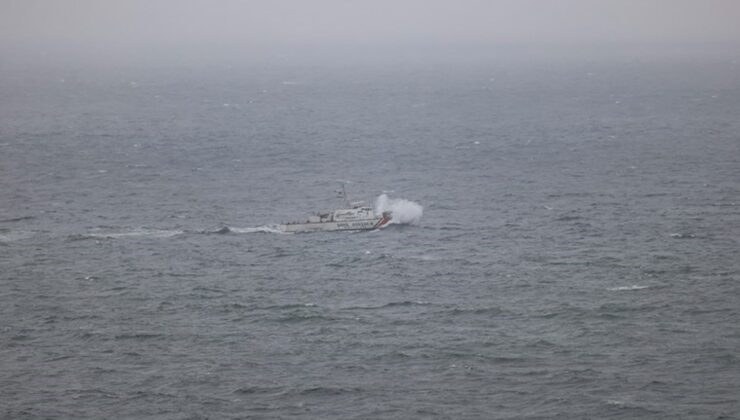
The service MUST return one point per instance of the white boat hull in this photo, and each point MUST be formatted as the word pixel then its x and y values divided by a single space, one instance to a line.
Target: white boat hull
pixel 367 224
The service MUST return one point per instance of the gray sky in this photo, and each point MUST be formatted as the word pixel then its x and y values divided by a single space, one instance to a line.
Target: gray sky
pixel 126 25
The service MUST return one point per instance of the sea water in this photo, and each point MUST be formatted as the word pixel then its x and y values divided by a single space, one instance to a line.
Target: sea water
pixel 565 241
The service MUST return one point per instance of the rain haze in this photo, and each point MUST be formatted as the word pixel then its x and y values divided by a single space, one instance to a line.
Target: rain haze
pixel 369 209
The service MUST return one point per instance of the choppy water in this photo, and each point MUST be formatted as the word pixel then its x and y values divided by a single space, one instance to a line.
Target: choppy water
pixel 577 257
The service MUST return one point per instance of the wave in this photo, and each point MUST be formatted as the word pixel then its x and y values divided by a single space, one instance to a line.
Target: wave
pixel 286 307
pixel 327 390
pixel 623 288
pixel 251 390
pixel 404 211
pixel 228 230
pixel 7 235
pixel 387 305
pixel 138 336
pixel 224 230
pixel 17 219
pixel 168 233
pixel 136 233
pixel 488 311
pixel 683 235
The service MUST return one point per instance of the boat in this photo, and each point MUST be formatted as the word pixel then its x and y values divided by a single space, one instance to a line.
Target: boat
pixel 354 216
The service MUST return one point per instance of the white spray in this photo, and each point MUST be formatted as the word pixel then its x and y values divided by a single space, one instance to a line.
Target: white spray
pixel 404 211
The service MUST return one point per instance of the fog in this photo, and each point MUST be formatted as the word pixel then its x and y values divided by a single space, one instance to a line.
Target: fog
pixel 198 28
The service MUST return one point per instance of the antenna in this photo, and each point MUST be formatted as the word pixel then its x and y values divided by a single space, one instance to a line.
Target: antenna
pixel 344 196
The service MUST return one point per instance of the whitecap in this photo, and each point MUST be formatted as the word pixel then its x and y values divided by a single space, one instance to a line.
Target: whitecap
pixel 152 233
pixel 623 288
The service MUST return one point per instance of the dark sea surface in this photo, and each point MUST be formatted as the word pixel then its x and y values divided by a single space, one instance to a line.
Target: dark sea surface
pixel 578 254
